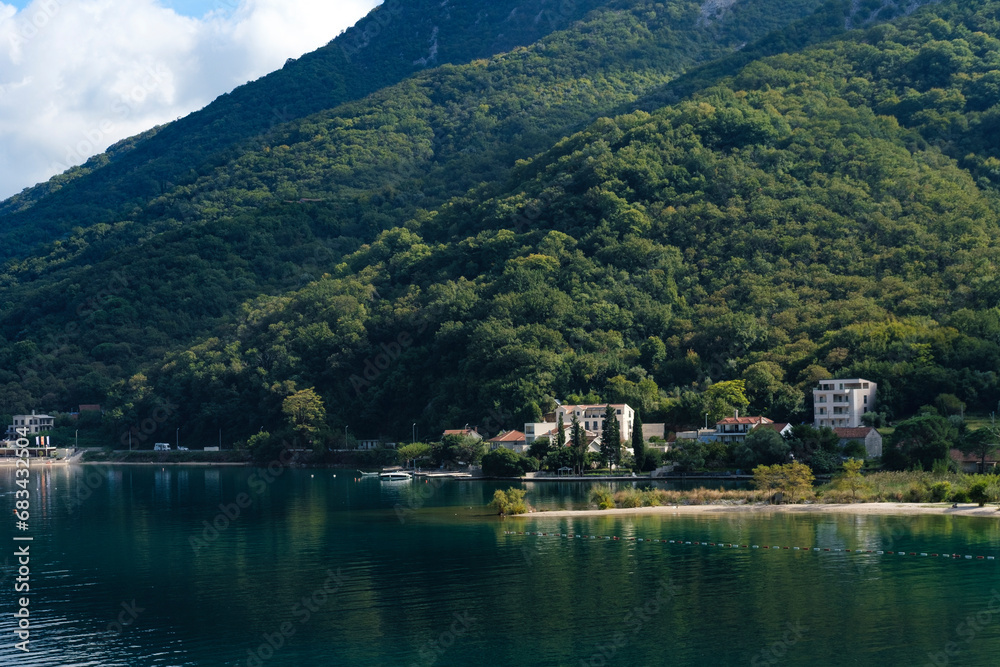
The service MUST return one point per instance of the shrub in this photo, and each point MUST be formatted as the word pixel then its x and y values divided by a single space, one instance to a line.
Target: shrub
pixel 510 501
pixel 915 493
pixel 940 491
pixel 980 492
pixel 855 450
pixel 960 496
pixel 503 462
pixel 629 498
pixel 603 497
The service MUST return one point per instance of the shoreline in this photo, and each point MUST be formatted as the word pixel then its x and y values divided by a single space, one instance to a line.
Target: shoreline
pixel 888 509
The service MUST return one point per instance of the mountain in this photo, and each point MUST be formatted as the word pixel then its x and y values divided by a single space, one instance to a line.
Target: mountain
pixel 171 271
pixel 395 40
pixel 654 199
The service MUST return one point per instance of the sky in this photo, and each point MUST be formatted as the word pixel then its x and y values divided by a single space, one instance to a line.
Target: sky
pixel 78 75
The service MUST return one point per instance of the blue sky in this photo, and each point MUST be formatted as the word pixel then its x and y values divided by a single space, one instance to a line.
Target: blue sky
pixel 193 8
pixel 77 76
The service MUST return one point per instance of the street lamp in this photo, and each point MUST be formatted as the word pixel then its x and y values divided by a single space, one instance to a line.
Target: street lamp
pixel 414 434
pixel 706 421
pixel 178 445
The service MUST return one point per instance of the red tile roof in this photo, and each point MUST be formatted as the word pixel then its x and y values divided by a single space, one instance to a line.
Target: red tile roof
pixel 744 420
pixel 961 457
pixel 851 433
pixel 777 426
pixel 460 431
pixel 509 436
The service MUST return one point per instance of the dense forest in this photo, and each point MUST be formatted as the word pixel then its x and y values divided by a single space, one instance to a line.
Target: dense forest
pixel 652 205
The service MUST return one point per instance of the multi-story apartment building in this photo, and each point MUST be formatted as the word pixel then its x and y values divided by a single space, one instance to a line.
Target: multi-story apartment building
pixel 33 424
pixel 841 402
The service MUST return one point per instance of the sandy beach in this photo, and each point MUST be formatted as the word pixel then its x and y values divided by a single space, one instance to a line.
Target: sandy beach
pixel 904 509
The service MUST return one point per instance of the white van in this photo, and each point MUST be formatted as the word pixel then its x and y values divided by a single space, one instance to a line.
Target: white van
pixel 161 447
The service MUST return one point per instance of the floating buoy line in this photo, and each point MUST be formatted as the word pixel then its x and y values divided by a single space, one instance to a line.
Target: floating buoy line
pixel 729 545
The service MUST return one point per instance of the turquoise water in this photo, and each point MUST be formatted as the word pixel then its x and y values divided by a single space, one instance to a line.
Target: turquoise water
pixel 124 572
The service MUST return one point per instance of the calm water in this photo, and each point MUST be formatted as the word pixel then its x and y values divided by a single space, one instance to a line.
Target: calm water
pixel 366 573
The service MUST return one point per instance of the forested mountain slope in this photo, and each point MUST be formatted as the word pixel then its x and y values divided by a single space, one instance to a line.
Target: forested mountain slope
pixel 803 217
pixel 94 307
pixel 395 40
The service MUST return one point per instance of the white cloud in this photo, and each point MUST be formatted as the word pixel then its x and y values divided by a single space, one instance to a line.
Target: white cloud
pixel 78 75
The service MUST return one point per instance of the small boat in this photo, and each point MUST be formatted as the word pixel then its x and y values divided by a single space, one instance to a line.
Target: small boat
pixel 395 476
pixel 369 474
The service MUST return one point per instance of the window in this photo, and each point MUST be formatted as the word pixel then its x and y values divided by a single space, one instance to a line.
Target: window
pixel 821 399
pixel 866 400
pixel 586 425
pixel 822 411
pixel 618 411
pixel 865 385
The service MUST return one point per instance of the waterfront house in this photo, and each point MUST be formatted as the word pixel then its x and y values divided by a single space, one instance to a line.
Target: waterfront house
pixel 735 429
pixel 464 432
pixel 591 418
pixel 842 402
pixel 375 443
pixel 32 424
pixel 969 463
pixel 866 435
pixel 513 440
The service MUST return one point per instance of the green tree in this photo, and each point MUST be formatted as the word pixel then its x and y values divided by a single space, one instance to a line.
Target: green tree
pixel 792 479
pixel 578 442
pixel 509 502
pixel 502 462
pixel 413 452
pixel 638 444
pixel 982 443
pixel 920 442
pixel 305 412
pixel 539 448
pixel 761 446
pixel 560 433
pixel 690 456
pixel 852 478
pixel 611 443
pixel 723 399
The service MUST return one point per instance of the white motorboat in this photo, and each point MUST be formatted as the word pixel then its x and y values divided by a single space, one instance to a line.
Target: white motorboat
pixel 395 476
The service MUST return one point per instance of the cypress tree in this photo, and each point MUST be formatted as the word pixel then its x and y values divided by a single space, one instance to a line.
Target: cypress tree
pixel 638 444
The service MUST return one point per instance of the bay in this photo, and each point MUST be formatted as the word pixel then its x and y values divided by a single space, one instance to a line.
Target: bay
pixel 142 565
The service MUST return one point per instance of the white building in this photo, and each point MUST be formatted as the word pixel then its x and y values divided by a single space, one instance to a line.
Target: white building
pixel 840 403
pixel 736 428
pixel 591 417
pixel 33 424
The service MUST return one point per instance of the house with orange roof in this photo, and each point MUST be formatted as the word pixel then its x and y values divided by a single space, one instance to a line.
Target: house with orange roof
pixel 513 440
pixel 464 432
pixel 736 428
